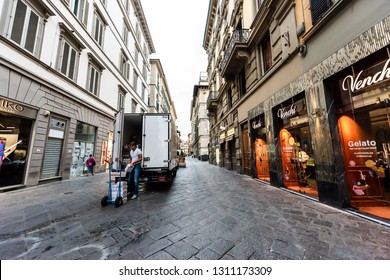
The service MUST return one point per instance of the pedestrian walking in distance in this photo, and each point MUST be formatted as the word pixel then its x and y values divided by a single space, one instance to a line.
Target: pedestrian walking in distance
pixel 134 168
pixel 91 162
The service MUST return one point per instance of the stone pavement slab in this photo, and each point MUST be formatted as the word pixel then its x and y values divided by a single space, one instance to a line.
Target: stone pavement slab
pixel 208 213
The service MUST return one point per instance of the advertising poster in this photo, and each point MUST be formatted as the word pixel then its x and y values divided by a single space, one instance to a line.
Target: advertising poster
pixel 287 142
pixel 360 149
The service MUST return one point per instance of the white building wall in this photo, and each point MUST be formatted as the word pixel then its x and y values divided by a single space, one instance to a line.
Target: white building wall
pixel 43 68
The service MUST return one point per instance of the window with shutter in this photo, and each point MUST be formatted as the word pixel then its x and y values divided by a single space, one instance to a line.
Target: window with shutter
pixel 318 8
pixel 25 27
pixel 80 9
pixel 68 60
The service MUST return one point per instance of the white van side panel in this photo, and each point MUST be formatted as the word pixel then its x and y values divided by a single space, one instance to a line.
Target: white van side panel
pixel 155 141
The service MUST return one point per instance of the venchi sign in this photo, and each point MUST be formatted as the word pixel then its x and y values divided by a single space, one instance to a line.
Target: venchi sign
pixel 285 112
pixel 356 83
pixel 256 125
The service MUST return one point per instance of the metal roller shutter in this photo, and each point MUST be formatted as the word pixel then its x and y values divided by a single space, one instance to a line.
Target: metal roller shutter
pixel 52 158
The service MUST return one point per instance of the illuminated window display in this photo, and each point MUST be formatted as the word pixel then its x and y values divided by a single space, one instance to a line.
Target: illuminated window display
pixel 14 140
pixel 363 104
pixel 260 149
pixel 295 146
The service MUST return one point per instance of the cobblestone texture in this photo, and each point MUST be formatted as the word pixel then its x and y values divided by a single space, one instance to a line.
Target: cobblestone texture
pixel 208 213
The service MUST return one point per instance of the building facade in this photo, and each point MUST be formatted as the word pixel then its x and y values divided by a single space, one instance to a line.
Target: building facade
pixel 190 152
pixel 304 86
pixel 199 119
pixel 160 100
pixel 69 70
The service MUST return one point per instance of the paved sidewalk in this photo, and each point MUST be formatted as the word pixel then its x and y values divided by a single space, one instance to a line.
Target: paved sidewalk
pixel 208 213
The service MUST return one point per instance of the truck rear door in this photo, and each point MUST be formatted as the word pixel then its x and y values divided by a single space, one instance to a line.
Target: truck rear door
pixel 156 141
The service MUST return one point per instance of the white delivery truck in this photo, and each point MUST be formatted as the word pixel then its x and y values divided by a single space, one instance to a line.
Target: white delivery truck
pixel 156 135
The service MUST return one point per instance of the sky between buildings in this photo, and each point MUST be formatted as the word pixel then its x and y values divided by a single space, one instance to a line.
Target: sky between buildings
pixel 177 30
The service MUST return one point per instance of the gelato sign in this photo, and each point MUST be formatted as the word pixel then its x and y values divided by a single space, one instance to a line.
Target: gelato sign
pixel 357 83
pixel 364 143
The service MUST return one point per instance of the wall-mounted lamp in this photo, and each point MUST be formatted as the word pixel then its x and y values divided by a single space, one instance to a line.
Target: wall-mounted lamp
pixel 222 128
pixel 317 112
pixel 286 37
pixel 46 113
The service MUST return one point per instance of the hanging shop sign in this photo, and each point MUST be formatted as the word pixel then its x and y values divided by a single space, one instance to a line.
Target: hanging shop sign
pixel 222 136
pixel 363 79
pixel 230 132
pixel 11 107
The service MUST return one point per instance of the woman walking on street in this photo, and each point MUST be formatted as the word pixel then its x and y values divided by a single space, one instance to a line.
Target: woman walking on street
pixel 91 162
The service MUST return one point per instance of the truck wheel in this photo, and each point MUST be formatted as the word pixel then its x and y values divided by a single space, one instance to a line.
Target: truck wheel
pixel 118 201
pixel 104 201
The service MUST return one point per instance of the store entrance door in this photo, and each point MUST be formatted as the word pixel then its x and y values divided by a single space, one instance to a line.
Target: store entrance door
pixel 53 151
pixel 261 154
pixel 246 152
pixel 231 155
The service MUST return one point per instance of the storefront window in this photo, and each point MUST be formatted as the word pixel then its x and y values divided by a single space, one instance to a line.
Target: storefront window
pixel 295 145
pixel 260 149
pixel 364 125
pixel 14 141
pixel 83 146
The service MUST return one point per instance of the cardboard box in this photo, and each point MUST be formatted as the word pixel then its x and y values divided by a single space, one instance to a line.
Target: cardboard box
pixel 114 191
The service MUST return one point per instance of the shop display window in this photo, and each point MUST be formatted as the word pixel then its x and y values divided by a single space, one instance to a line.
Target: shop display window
pixel 296 148
pixel 260 149
pixel 363 103
pixel 14 141
pixel 365 137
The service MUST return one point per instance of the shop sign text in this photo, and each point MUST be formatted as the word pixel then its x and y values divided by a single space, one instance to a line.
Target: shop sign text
pixel 362 143
pixel 10 107
pixel 357 83
pixel 257 124
pixel 230 132
pixel 285 112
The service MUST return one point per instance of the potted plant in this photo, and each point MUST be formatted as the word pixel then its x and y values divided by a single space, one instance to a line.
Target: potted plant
pixel 182 159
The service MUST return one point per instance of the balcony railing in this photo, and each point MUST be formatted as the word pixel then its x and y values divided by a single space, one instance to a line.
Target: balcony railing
pixel 238 36
pixel 212 100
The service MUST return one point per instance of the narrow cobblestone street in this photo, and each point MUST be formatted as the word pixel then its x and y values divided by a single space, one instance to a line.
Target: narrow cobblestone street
pixel 208 213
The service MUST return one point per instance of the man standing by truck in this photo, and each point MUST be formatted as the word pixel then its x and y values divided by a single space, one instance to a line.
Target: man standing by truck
pixel 135 167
